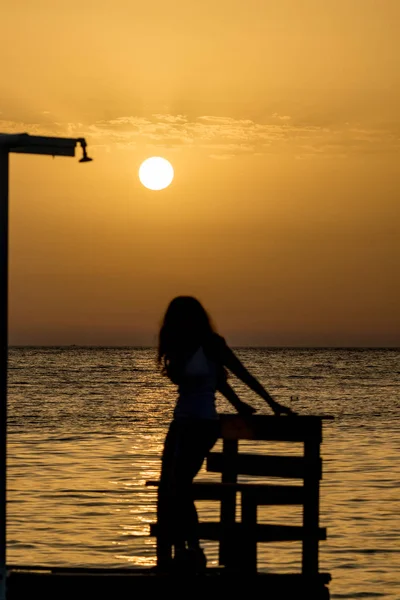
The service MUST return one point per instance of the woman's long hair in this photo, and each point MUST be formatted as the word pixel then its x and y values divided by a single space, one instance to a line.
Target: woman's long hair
pixel 186 326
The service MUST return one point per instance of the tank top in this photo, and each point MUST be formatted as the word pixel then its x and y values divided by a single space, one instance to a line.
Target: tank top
pixel 196 391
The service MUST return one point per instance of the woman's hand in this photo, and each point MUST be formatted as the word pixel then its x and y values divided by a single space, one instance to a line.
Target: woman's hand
pixel 245 409
pixel 279 409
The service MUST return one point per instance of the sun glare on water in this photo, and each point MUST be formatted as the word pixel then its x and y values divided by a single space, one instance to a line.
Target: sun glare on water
pixel 156 173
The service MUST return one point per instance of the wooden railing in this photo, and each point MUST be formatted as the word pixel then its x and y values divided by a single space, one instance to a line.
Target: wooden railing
pixel 238 539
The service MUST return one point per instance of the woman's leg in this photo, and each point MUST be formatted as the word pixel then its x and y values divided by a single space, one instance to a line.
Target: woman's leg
pixel 186 445
pixel 194 442
pixel 165 498
pixel 175 485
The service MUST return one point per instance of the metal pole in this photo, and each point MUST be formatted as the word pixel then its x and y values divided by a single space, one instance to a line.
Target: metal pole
pixel 3 359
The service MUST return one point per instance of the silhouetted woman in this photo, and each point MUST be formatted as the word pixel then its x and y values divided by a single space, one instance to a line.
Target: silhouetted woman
pixel 195 358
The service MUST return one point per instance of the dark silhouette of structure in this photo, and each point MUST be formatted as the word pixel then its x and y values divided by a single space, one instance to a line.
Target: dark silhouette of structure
pixel 238 540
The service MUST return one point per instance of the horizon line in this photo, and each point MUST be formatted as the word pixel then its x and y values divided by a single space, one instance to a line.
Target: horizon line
pixel 273 347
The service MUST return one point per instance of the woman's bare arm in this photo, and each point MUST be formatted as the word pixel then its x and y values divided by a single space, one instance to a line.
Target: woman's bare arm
pixel 232 362
pixel 242 407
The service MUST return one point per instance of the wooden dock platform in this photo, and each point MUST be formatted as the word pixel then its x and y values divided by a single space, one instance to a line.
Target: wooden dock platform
pixel 115 584
pixel 237 572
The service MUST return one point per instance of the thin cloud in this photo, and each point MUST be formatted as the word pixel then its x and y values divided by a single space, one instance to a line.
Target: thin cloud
pixel 281 117
pixel 220 136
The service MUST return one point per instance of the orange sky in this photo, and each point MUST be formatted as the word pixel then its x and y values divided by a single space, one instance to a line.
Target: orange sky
pixel 281 120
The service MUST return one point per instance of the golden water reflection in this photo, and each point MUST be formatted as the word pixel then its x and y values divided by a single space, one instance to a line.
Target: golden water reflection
pixel 89 506
pixel 86 429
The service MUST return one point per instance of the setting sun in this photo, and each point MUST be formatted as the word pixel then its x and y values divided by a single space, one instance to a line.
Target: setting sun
pixel 156 173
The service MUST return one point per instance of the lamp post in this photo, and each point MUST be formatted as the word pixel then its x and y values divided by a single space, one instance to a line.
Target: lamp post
pixel 23 144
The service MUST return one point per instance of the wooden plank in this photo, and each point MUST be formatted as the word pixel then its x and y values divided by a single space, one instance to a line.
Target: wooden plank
pixel 261 533
pixel 247 550
pixel 310 558
pixel 264 494
pixel 268 466
pixel 264 427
